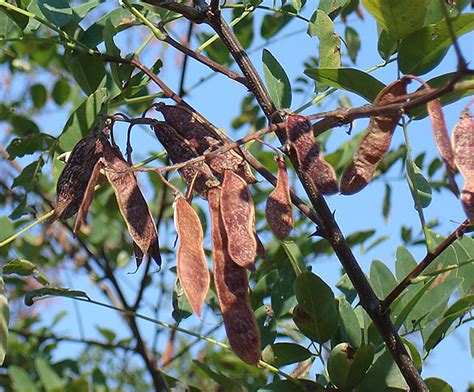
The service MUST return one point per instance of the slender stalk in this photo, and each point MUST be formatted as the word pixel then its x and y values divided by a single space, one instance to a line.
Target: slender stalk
pixel 13 237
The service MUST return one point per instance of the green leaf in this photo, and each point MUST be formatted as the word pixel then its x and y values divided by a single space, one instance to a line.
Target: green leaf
pixel 404 263
pixel 19 266
pixel 437 385
pixel 387 45
pixel 82 120
pixel 61 91
pixel 88 71
pixel 120 72
pixel 349 79
pixel 298 4
pixel 181 307
pixel 277 81
pixel 8 27
pixel 456 310
pixel 383 374
pixel 332 8
pixel 243 30
pixel 434 12
pixel 419 186
pixel 322 26
pixel 54 292
pixel 39 95
pixel 350 328
pixel 48 376
pixel 21 380
pixel 273 23
pixel 414 354
pixel 19 147
pixel 399 317
pixel 424 49
pixel 4 319
pixel 352 42
pixel 317 300
pixel 58 12
pixel 29 174
pixel 387 203
pixel 381 279
pixel 267 323
pixel 399 17
pixel 282 296
pixel 281 354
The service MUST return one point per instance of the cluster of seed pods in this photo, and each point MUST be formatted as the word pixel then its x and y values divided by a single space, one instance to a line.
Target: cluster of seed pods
pixel 75 190
pixel 222 179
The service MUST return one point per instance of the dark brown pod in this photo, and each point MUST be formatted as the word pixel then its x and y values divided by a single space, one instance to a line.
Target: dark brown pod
pixel 375 143
pixel 232 290
pixel 463 147
pixel 203 141
pixel 88 196
pixel 190 259
pixel 132 204
pixel 309 155
pixel 72 182
pixel 238 216
pixel 279 210
pixel 180 150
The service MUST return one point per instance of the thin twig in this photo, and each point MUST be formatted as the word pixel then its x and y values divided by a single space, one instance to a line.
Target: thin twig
pixel 423 264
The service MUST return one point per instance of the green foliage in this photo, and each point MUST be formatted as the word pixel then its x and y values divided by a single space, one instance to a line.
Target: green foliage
pixel 59 82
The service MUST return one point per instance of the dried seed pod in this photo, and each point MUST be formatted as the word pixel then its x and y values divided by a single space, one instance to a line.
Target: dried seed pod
pixel 308 152
pixel 132 204
pixel 180 150
pixel 375 143
pixel 88 196
pixel 232 290
pixel 203 141
pixel 238 215
pixel 440 133
pixel 190 260
pixel 463 146
pixel 72 182
pixel 279 210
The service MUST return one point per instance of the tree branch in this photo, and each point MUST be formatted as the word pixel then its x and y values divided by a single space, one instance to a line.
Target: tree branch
pixel 423 264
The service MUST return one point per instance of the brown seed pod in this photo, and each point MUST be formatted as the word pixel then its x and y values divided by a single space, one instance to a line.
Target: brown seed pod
pixel 440 133
pixel 463 146
pixel 232 290
pixel 88 196
pixel 203 141
pixel 132 204
pixel 72 182
pixel 375 143
pixel 180 150
pixel 238 215
pixel 279 210
pixel 308 152
pixel 190 259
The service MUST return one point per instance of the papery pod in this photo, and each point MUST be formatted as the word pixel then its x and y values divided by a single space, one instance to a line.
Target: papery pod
pixel 232 290
pixel 440 133
pixel 309 155
pixel 238 216
pixel 203 141
pixel 279 210
pixel 132 204
pixel 72 182
pixel 375 143
pixel 180 150
pixel 88 196
pixel 191 263
pixel 463 146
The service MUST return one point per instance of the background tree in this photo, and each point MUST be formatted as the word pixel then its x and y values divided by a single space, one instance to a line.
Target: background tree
pixel 68 67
